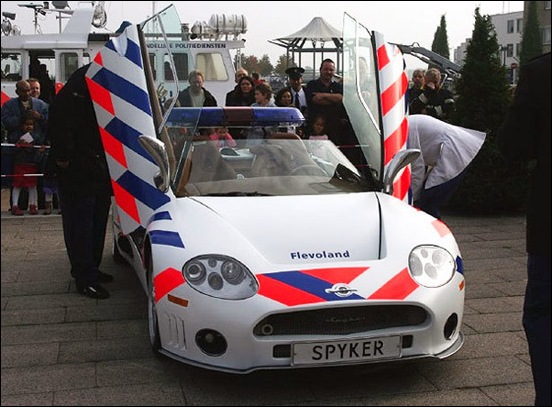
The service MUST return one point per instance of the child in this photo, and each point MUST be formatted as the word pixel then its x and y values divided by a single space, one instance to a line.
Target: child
pixel 283 98
pixel 25 163
pixel 223 138
pixel 263 96
pixel 317 137
pixel 317 130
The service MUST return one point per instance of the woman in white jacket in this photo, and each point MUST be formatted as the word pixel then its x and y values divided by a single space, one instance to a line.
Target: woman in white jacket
pixel 446 152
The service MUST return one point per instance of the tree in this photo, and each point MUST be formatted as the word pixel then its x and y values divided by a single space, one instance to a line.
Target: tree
pixel 440 40
pixel 283 63
pixel 483 94
pixel 531 41
pixel 253 64
pixel 265 67
pixel 250 63
pixel 482 89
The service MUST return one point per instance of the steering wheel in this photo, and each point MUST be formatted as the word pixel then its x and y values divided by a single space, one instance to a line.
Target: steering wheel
pixel 308 169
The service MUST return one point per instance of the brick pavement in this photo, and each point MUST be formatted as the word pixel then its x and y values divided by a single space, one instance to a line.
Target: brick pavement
pixel 60 348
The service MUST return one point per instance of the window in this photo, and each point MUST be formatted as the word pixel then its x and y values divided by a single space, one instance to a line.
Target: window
pixel 546 35
pixel 212 66
pixel 510 50
pixel 11 66
pixel 519 25
pixel 69 64
pixel 518 49
pixel 181 65
pixel 547 5
pixel 510 27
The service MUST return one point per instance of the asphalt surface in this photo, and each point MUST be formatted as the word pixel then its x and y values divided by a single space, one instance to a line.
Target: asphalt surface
pixel 61 348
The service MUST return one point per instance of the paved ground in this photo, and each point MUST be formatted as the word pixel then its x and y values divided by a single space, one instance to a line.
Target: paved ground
pixel 60 348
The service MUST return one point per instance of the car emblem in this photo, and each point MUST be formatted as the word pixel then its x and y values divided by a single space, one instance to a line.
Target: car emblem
pixel 341 290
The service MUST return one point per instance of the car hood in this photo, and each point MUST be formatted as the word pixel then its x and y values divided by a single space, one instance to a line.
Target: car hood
pixel 298 228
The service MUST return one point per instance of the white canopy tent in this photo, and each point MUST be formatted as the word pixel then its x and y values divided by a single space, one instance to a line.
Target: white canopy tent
pixel 313 39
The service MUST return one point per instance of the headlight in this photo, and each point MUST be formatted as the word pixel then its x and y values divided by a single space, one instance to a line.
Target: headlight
pixel 195 272
pixel 233 272
pixel 431 266
pixel 220 277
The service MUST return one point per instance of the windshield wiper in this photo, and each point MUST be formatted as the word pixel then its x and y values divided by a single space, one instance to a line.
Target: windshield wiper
pixel 343 174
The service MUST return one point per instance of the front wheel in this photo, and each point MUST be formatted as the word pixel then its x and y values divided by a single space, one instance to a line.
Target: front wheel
pixel 115 251
pixel 116 254
pixel 153 323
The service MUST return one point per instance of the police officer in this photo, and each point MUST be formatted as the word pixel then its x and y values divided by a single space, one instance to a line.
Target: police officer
pixel 298 97
pixel 84 182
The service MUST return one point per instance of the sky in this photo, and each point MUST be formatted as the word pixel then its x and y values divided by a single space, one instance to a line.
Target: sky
pixel 403 22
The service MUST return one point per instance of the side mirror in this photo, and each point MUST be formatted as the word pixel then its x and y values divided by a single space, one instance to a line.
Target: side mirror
pixel 399 161
pixel 157 150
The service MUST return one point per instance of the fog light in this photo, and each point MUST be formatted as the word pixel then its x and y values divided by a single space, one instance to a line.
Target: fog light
pixel 450 326
pixel 211 342
pixel 215 281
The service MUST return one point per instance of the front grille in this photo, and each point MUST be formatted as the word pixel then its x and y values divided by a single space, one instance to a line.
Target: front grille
pixel 340 321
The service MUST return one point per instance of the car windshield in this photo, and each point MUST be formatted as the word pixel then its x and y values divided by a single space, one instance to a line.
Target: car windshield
pixel 271 161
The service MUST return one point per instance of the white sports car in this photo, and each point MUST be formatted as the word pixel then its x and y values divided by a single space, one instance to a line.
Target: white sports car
pixel 277 252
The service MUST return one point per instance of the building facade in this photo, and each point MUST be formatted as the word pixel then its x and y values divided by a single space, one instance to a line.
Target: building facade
pixel 509 29
pixel 509 32
pixel 543 13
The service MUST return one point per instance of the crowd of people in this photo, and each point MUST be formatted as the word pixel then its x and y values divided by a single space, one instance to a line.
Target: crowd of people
pixel 320 99
pixel 32 177
pixel 323 96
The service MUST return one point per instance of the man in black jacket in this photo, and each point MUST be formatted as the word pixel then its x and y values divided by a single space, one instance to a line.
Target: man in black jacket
pixel 84 182
pixel 432 99
pixel 196 95
pixel 525 135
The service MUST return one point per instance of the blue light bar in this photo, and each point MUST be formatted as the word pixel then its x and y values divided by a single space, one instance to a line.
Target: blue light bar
pixel 183 117
pixel 274 116
pixel 234 116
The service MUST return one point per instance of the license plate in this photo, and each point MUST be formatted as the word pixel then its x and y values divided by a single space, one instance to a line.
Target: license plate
pixel 388 347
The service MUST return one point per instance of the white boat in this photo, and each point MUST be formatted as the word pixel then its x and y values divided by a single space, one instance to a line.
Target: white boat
pixel 211 47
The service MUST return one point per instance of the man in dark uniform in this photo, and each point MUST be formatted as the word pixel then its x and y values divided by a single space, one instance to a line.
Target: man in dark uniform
pixel 298 95
pixel 84 182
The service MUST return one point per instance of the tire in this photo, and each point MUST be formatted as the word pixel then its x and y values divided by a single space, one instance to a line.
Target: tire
pixel 115 251
pixel 116 254
pixel 153 323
